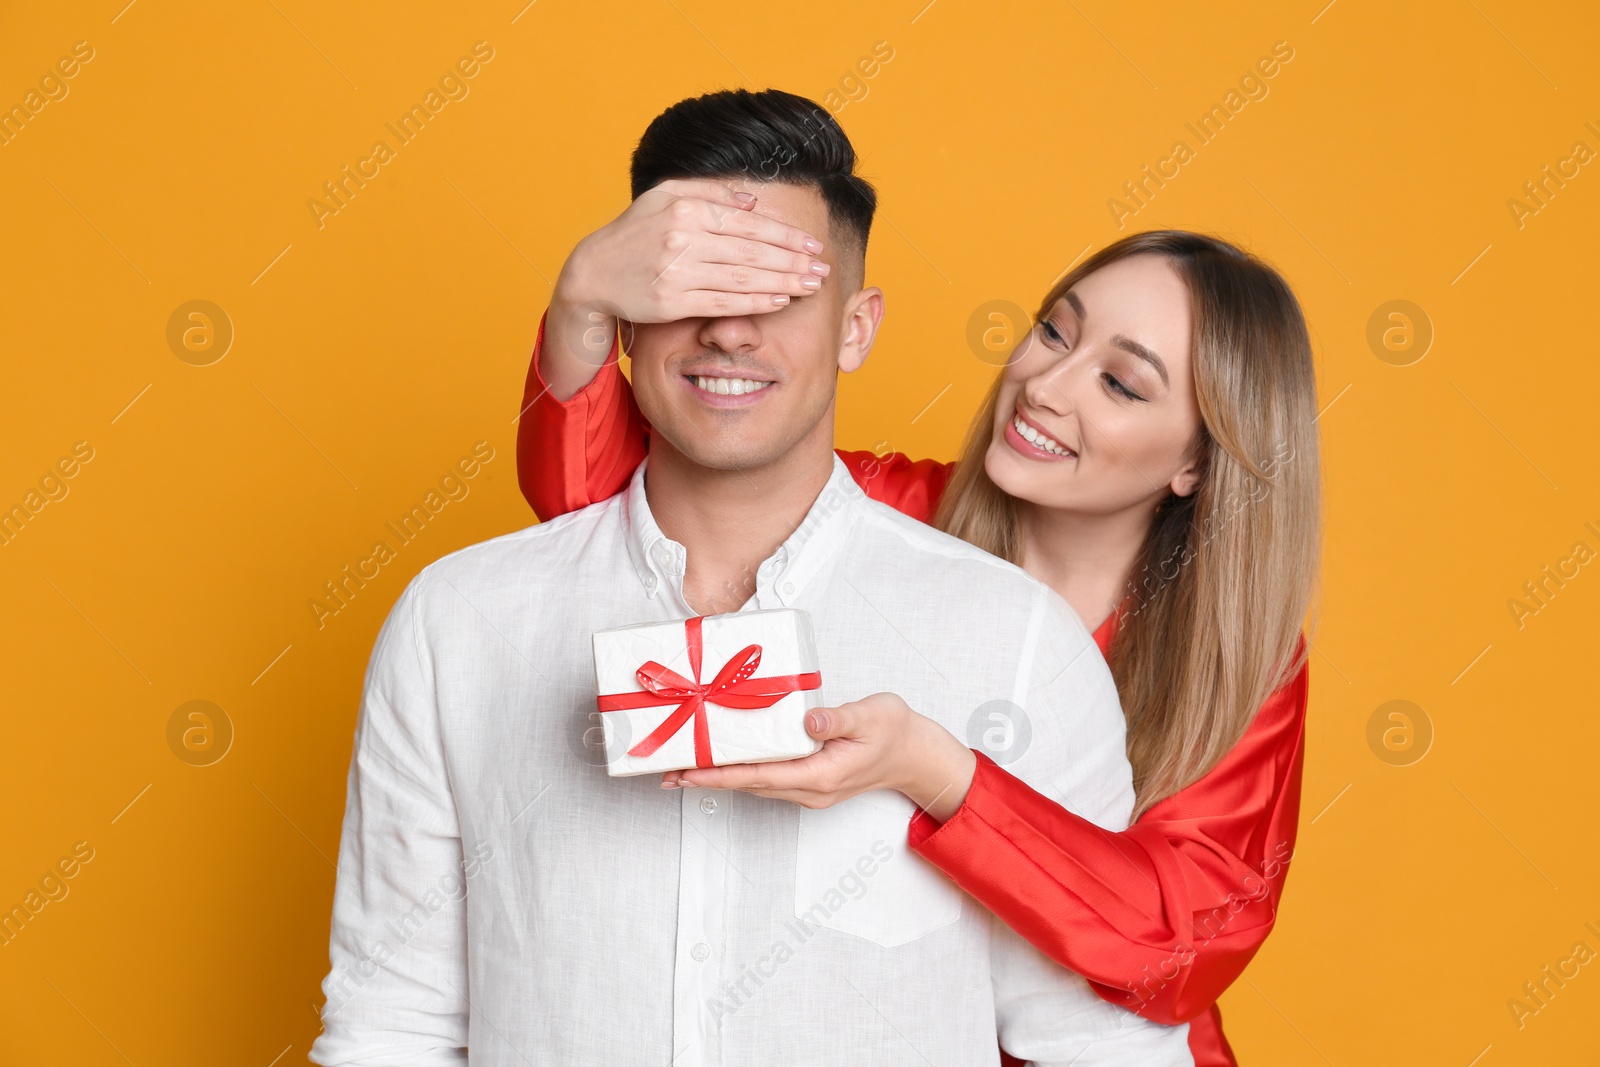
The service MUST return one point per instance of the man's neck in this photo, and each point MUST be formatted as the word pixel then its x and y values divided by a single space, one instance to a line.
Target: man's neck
pixel 730 521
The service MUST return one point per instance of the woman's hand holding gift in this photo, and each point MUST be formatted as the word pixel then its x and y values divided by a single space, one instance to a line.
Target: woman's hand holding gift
pixel 877 742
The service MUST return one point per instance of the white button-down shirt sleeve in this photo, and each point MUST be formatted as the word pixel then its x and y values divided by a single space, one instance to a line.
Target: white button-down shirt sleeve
pixel 1087 769
pixel 1046 1014
pixel 397 991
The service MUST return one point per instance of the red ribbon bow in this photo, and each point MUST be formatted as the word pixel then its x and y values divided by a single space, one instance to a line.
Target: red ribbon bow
pixel 733 687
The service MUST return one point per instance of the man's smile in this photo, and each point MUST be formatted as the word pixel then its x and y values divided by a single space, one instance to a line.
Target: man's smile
pixel 724 390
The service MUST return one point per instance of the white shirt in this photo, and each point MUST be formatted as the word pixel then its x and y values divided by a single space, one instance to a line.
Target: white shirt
pixel 498 890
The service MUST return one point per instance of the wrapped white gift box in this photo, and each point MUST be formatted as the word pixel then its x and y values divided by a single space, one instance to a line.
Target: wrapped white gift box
pixel 707 691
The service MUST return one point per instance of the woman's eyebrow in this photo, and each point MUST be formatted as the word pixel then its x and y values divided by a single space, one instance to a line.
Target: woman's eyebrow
pixel 1127 344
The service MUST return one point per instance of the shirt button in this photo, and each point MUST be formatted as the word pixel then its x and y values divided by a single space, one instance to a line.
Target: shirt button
pixel 788 589
pixel 667 557
pixel 700 952
pixel 708 804
pixel 650 584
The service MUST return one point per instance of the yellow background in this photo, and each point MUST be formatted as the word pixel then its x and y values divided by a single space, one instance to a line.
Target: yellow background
pixel 370 354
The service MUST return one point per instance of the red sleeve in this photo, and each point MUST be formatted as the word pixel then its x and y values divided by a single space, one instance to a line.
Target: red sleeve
pixel 571 453
pixel 1162 917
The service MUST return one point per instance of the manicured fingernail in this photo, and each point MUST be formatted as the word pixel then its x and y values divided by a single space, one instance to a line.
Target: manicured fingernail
pixel 813 245
pixel 811 283
pixel 780 300
pixel 821 268
pixel 744 198
pixel 669 785
pixel 817 721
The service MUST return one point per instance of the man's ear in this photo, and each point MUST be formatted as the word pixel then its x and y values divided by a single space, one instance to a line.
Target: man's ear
pixel 863 313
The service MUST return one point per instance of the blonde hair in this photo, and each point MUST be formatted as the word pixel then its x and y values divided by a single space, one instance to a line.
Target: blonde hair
pixel 1226 575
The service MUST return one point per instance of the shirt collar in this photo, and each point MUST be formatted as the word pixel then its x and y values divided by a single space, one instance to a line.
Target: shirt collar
pixel 659 560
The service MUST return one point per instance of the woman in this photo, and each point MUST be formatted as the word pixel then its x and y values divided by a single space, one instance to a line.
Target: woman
pixel 1150 452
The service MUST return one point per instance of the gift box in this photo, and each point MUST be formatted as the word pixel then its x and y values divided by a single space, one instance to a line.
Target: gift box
pixel 707 691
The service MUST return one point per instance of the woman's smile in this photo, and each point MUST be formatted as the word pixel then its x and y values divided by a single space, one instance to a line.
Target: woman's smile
pixel 1032 442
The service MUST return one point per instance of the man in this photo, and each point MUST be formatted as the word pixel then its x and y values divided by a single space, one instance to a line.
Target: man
pixel 498 891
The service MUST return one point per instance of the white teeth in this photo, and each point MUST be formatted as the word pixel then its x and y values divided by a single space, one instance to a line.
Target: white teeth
pixel 1037 439
pixel 728 386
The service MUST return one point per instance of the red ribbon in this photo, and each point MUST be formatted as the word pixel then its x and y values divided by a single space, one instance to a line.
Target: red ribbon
pixel 733 687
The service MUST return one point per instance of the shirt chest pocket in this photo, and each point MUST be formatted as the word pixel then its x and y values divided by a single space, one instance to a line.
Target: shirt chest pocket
pixel 854 872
